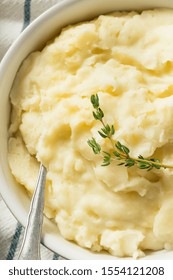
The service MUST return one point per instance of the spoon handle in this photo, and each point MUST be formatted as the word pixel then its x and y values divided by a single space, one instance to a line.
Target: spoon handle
pixel 30 249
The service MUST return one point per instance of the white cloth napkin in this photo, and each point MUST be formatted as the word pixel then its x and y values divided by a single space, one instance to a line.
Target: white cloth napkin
pixel 15 15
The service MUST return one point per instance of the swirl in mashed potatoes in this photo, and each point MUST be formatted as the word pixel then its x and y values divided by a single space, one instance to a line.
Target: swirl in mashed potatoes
pixel 127 58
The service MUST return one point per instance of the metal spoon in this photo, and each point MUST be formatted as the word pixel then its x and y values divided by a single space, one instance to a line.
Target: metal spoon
pixel 30 249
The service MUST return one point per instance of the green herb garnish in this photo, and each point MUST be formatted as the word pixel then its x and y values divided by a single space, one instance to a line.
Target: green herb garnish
pixel 119 152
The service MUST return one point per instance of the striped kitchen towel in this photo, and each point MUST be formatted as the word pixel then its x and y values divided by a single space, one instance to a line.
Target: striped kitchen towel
pixel 14 17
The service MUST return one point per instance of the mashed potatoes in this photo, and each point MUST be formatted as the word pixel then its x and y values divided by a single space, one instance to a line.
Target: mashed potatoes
pixel 127 58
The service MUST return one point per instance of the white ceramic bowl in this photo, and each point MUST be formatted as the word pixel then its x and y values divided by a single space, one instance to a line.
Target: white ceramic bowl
pixel 33 38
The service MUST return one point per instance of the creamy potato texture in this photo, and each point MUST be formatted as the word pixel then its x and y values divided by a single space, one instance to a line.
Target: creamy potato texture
pixel 127 58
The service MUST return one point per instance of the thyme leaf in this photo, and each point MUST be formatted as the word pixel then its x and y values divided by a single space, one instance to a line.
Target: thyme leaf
pixel 94 145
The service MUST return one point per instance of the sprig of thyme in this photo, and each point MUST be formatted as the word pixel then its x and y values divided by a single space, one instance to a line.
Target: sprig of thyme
pixel 119 152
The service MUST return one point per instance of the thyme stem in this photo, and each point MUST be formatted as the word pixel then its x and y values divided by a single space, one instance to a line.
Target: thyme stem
pixel 120 152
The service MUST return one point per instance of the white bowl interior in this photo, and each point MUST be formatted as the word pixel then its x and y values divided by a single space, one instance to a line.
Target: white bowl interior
pixel 33 38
